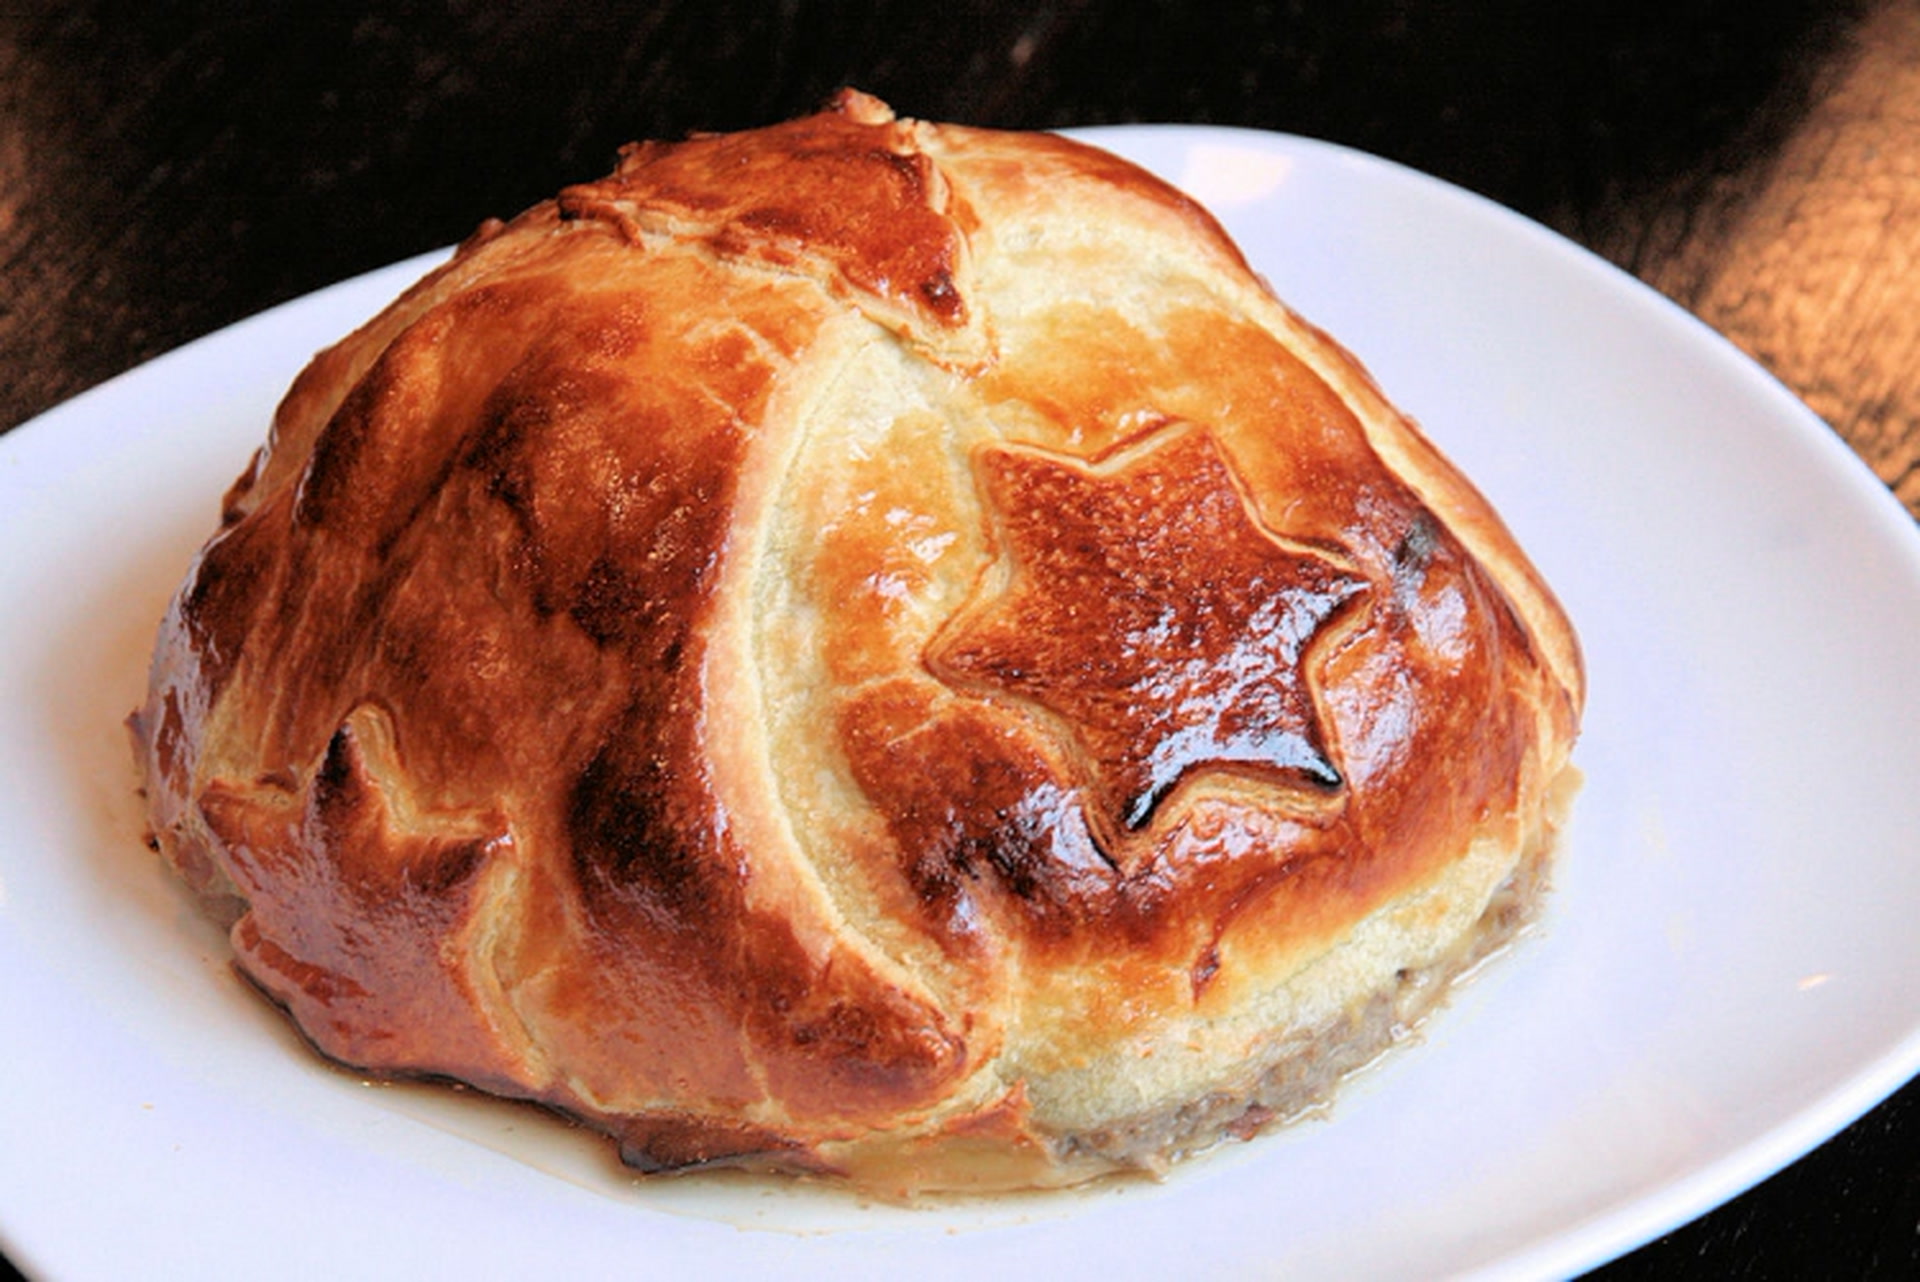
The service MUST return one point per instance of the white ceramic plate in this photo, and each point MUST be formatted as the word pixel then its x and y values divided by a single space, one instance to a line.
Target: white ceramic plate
pixel 1726 974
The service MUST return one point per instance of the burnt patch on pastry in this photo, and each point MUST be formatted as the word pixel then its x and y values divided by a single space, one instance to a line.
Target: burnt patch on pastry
pixel 676 1145
pixel 977 811
pixel 634 835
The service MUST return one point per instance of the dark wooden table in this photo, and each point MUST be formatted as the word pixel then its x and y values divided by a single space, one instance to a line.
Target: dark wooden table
pixel 166 169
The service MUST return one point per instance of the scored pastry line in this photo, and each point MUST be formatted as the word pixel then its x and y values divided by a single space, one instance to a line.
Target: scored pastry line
pixel 847 907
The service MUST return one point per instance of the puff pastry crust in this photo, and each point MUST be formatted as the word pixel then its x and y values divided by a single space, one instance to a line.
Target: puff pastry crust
pixel 859 647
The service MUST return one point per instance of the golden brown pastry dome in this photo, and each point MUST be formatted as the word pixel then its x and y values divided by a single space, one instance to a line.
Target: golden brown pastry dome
pixel 860 647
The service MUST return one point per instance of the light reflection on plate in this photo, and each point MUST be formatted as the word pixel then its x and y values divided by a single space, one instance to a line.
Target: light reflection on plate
pixel 1723 979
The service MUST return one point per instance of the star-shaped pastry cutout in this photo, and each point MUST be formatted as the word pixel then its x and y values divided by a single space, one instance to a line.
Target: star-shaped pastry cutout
pixel 1142 606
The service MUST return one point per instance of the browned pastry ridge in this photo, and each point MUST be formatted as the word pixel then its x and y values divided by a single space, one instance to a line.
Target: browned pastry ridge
pixel 859 647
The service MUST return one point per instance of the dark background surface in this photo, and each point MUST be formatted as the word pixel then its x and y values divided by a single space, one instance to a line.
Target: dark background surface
pixel 166 170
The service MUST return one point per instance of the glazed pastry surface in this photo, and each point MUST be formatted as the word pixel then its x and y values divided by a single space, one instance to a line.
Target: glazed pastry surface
pixel 860 647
